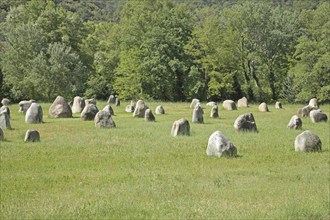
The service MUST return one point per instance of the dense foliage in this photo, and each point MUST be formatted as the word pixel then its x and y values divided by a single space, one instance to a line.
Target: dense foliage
pixel 172 50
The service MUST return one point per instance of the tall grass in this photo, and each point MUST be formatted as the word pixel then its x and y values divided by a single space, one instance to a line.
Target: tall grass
pixel 139 171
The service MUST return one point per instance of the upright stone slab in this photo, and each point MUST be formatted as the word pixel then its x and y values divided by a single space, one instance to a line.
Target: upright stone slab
pixel 180 127
pixel 89 112
pixel 304 112
pixel 295 122
pixel 211 104
pixel 117 102
pixel 34 114
pixel 278 105
pixel 307 142
pixel 313 103
pixel 140 109
pixel 129 108
pixel 318 116
pixel 263 107
pixel 229 105
pixel 4 121
pixel 214 112
pixel 60 108
pixel 220 146
pixel 32 136
pixel 242 102
pixel 112 99
pixel 245 122
pixel 148 116
pixel 109 109
pixel 160 110
pixel 2 136
pixel 103 119
pixel 78 104
pixel 5 101
pixel 197 116
pixel 24 106
pixel 90 101
pixel 193 103
pixel 5 109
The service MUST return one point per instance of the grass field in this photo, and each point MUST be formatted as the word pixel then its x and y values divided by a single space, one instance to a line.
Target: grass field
pixel 139 171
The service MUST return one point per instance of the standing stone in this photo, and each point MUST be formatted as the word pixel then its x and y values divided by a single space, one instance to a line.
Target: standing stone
pixel 229 105
pixel 318 116
pixel 109 109
pixel 5 101
pixel 243 102
pixel 193 103
pixel 214 112
pixel 117 102
pixel 24 106
pixel 2 136
pixel 148 116
pixel 197 116
pixel 160 110
pixel 89 112
pixel 129 108
pixel 103 119
pixel 263 107
pixel 34 114
pixel 313 103
pixel 32 136
pixel 4 121
pixel 278 105
pixel 211 104
pixel 5 109
pixel 112 99
pixel 307 142
pixel 78 104
pixel 60 108
pixel 304 112
pixel 295 122
pixel 220 146
pixel 140 109
pixel 180 127
pixel 90 101
pixel 245 122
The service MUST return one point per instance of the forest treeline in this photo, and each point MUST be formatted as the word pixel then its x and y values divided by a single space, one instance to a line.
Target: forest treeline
pixel 170 50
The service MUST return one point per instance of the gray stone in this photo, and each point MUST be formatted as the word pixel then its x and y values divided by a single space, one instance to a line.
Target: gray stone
pixel 78 104
pixel 89 112
pixel 211 104
pixel 117 102
pixel 229 105
pixel 5 109
pixel 245 122
pixel 109 109
pixel 197 116
pixel 60 108
pixel 129 108
pixel 4 121
pixel 313 103
pixel 140 109
pixel 5 101
pixel 263 107
pixel 278 105
pixel 160 110
pixel 318 116
pixel 34 114
pixel 148 116
pixel 307 142
pixel 295 122
pixel 2 136
pixel 24 106
pixel 214 112
pixel 112 99
pixel 103 119
pixel 220 146
pixel 90 101
pixel 32 136
pixel 242 102
pixel 304 112
pixel 180 127
pixel 193 103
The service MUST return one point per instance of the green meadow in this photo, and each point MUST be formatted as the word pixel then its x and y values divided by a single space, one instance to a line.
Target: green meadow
pixel 139 171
